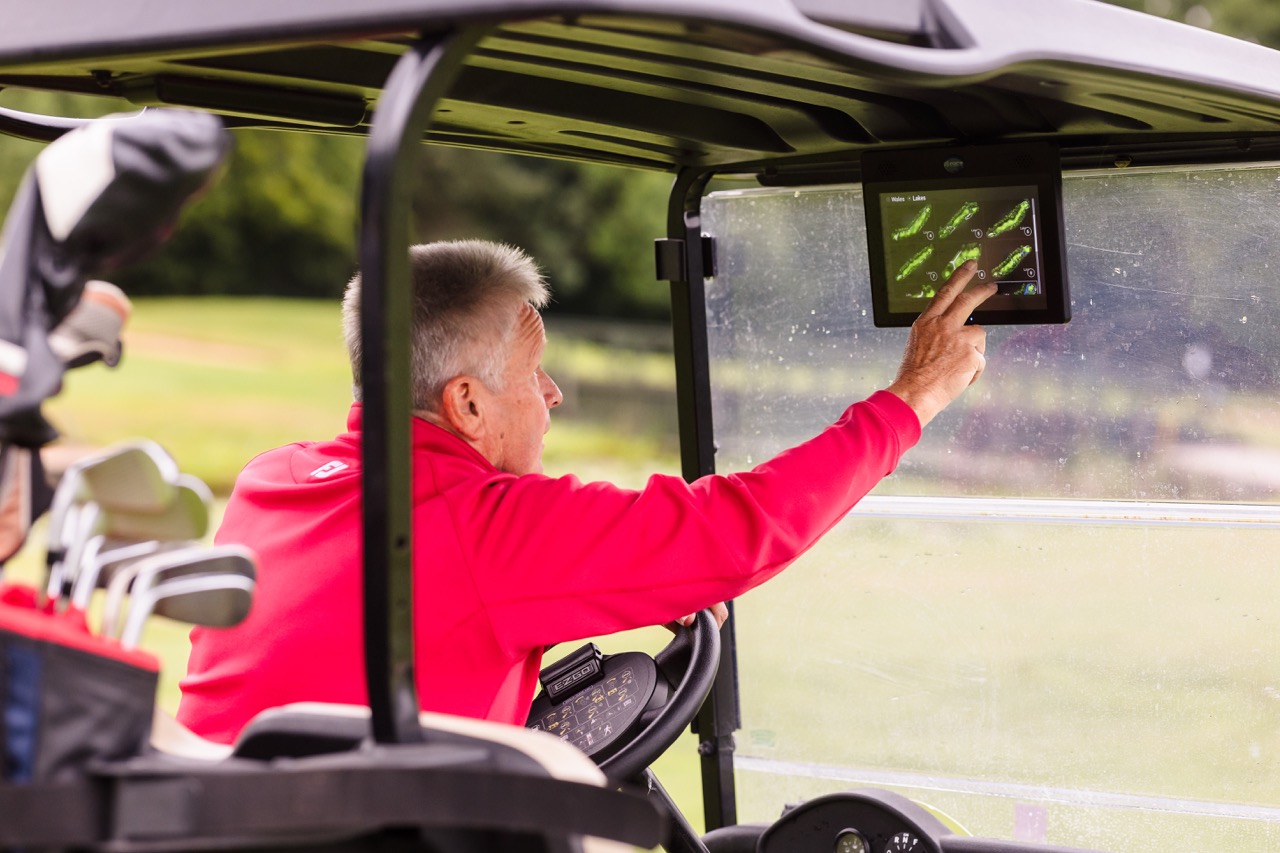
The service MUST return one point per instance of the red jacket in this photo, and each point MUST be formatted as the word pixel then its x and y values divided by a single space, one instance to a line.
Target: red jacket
pixel 505 565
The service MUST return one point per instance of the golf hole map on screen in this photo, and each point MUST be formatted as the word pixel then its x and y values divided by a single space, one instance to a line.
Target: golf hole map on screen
pixel 930 211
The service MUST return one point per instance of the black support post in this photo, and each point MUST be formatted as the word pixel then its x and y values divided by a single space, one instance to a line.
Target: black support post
pixel 719 717
pixel 417 82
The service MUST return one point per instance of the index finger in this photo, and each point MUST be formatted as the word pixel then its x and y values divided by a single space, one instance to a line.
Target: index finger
pixel 965 304
pixel 949 291
pixel 960 300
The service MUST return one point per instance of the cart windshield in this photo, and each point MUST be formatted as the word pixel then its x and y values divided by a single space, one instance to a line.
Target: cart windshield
pixel 1057 620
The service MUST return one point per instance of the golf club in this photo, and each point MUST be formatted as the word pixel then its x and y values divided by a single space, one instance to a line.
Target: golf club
pixel 102 554
pixel 185 519
pixel 139 576
pixel 136 476
pixel 216 600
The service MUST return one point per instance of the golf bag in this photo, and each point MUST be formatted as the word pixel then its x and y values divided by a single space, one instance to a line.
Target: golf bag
pixel 66 697
pixel 97 198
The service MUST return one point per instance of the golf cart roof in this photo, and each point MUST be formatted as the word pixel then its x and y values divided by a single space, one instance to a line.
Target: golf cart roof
pixel 792 88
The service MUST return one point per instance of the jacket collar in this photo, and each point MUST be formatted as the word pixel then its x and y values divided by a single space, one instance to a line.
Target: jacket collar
pixel 426 437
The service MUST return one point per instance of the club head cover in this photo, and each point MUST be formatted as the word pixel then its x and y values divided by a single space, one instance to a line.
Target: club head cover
pixel 98 197
pixel 91 332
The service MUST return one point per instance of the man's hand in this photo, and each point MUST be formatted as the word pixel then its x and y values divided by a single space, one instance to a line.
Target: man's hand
pixel 720 611
pixel 943 355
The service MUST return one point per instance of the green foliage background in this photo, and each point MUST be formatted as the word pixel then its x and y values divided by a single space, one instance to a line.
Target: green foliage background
pixel 283 219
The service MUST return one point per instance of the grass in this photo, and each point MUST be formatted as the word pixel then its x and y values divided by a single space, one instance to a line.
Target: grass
pixel 1132 661
pixel 217 381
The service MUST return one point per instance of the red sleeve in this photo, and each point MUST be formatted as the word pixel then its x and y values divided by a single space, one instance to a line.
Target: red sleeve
pixel 556 560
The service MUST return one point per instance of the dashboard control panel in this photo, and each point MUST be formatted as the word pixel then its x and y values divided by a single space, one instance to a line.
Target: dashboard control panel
pixel 598 699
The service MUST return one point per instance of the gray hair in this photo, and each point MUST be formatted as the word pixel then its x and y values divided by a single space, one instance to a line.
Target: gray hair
pixel 466 296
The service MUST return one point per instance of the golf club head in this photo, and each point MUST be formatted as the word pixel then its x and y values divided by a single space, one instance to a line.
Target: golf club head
pixel 135 476
pixel 103 558
pixel 219 560
pixel 215 600
pixel 137 578
pixel 185 517
pixel 128 482
pixel 69 493
pixel 138 476
pixel 121 580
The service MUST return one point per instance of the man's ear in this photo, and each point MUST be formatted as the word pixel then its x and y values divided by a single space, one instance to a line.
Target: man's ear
pixel 462 407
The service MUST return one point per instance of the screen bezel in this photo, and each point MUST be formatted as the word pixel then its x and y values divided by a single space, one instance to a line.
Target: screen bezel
pixel 1033 164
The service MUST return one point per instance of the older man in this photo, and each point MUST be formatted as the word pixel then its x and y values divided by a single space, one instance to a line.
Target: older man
pixel 512 561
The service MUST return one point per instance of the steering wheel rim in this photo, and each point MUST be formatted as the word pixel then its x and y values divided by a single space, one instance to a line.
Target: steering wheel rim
pixel 687 697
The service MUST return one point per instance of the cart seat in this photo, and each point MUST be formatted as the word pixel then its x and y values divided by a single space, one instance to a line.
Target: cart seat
pixel 309 729
pixel 304 729
pixel 297 732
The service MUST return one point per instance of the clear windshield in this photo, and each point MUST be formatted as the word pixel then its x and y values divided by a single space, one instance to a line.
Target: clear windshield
pixel 1057 621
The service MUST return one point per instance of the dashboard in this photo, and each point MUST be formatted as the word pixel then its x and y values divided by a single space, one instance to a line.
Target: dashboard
pixel 875 821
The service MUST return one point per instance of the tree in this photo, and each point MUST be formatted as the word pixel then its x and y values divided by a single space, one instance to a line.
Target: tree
pixel 281 221
pixel 591 227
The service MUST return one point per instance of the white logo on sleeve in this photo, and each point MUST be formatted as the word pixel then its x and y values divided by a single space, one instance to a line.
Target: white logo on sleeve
pixel 328 469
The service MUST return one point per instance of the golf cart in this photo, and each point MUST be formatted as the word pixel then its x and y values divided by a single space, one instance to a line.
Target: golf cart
pixel 1051 624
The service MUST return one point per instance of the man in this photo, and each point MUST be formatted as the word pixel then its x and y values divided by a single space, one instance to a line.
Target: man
pixel 509 561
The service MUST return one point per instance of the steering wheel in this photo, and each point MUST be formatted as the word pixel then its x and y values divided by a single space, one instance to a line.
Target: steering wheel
pixel 625 710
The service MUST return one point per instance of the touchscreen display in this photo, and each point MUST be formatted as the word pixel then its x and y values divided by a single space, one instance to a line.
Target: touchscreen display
pixel 930 210
pixel 930 233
